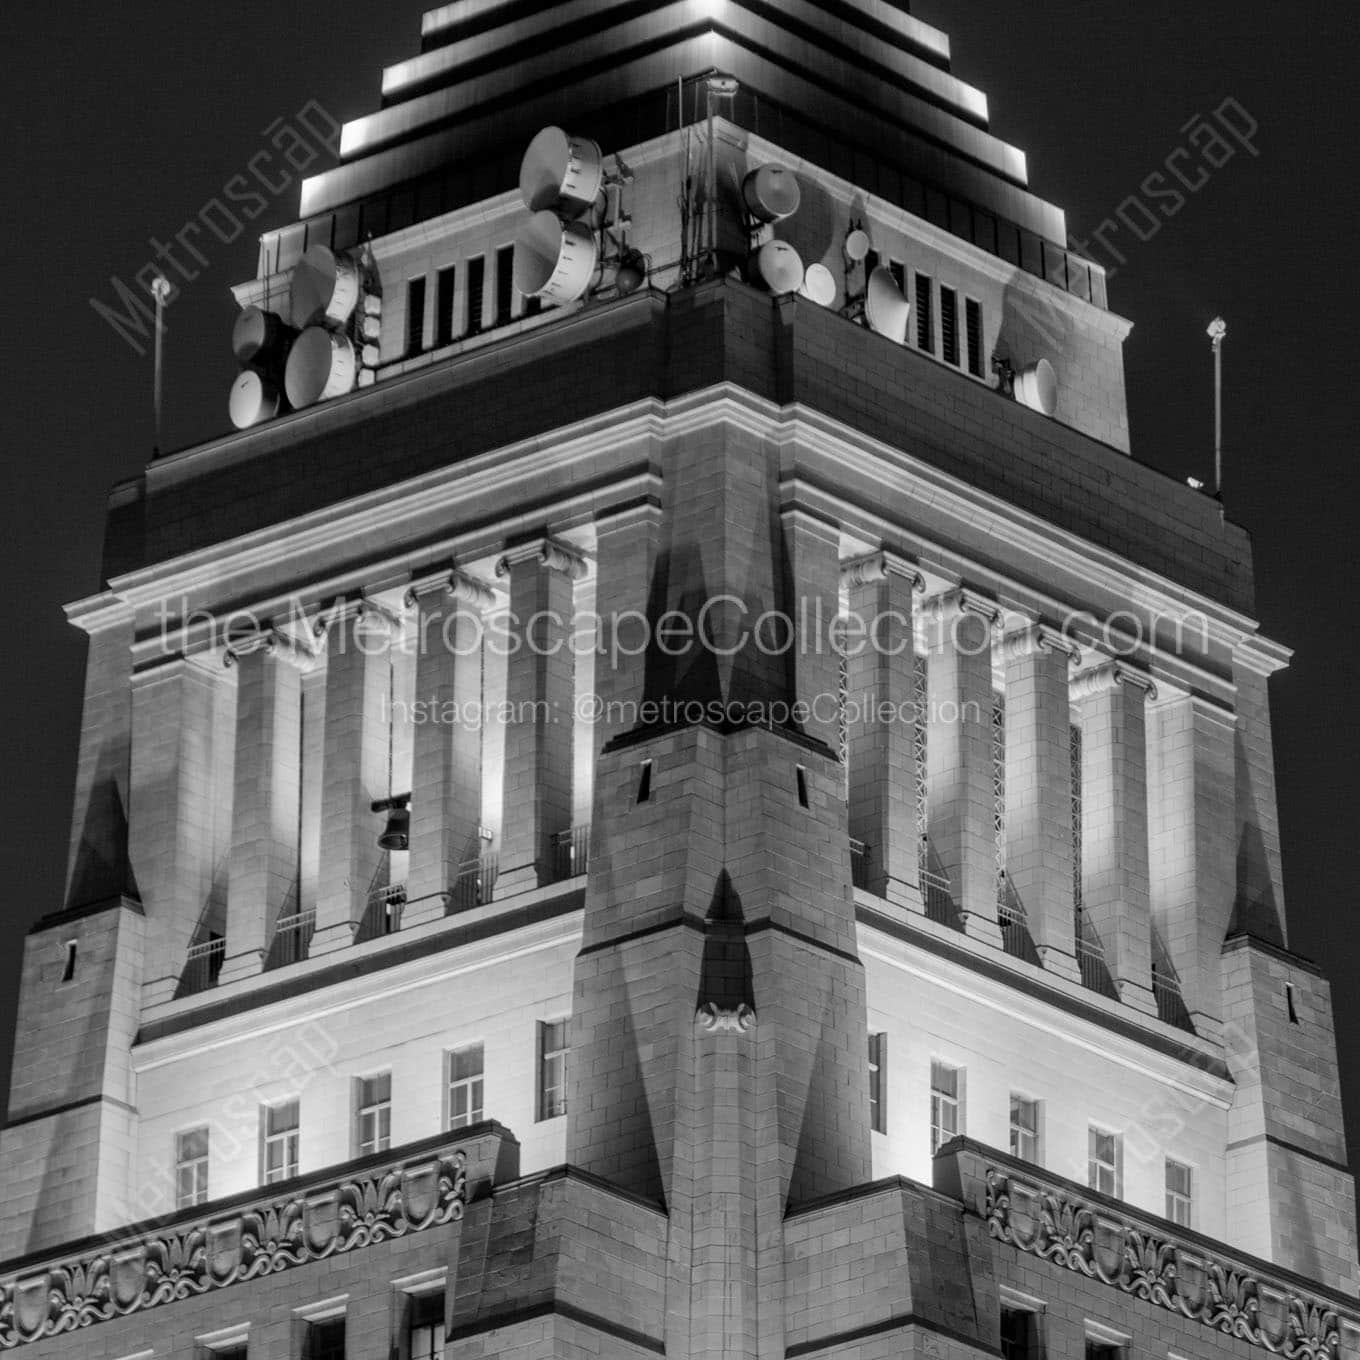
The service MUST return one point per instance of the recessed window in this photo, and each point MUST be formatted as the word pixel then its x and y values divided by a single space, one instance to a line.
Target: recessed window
pixel 279 1142
pixel 425 1339
pixel 465 1086
pixel 552 1068
pixel 324 1340
pixel 1179 1193
pixel 899 272
pixel 973 324
pixel 949 325
pixel 191 1168
pixel 505 284
pixel 802 787
pixel 644 792
pixel 878 1083
pixel 476 289
pixel 446 291
pixel 925 316
pixel 946 1099
pixel 373 1114
pixel 1104 1348
pixel 68 972
pixel 1024 1128
pixel 1103 1161
pixel 415 315
pixel 1019 1333
pixel 1290 1004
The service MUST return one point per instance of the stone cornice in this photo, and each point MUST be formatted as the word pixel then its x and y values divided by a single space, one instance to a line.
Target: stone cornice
pixel 218 1246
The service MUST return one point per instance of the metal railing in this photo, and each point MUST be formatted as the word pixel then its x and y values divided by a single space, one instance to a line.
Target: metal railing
pixel 1014 922
pixel 292 939
pixel 476 882
pixel 383 914
pixel 939 900
pixel 1171 1007
pixel 571 852
pixel 859 864
pixel 202 966
pixel 1095 974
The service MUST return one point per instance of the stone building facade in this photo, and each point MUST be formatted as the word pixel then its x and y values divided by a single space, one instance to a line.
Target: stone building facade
pixel 674 789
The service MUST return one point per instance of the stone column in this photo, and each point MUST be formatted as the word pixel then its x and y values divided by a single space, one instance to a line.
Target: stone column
pixel 812 600
pixel 539 693
pixel 1114 833
pixel 354 767
pixel 1192 798
pixel 170 823
pixel 881 698
pixel 960 827
pixel 1039 791
pixel 446 785
pixel 264 861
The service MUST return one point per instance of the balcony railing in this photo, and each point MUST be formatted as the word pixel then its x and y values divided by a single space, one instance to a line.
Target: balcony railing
pixel 292 939
pixel 1014 922
pixel 202 967
pixel 859 864
pixel 571 852
pixel 1171 1007
pixel 476 883
pixel 383 915
pixel 1095 975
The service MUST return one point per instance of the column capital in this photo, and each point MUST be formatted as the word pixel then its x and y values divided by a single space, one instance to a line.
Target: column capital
pixel 449 586
pixel 270 642
pixel 878 566
pixel 550 554
pixel 955 603
pixel 1035 638
pixel 1107 676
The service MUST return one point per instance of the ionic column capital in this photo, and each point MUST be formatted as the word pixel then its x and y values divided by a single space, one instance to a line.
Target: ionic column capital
pixel 957 603
pixel 449 587
pixel 1100 679
pixel 1036 638
pixel 264 640
pixel 549 554
pixel 878 566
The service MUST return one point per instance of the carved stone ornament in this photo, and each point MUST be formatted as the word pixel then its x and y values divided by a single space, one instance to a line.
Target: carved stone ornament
pixel 182 1260
pixel 1222 1294
pixel 715 1019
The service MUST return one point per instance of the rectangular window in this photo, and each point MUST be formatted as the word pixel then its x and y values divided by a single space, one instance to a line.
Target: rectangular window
pixel 505 284
pixel 476 290
pixel 191 1168
pixel 426 1340
pixel 925 315
pixel 899 272
pixel 1179 1198
pixel 973 321
pixel 446 282
pixel 944 1105
pixel 325 1340
pixel 949 325
pixel 279 1142
pixel 878 1082
pixel 552 1068
pixel 465 1086
pixel 533 305
pixel 373 1114
pixel 1019 1334
pixel 1102 1161
pixel 415 316
pixel 1024 1128
pixel 1099 1349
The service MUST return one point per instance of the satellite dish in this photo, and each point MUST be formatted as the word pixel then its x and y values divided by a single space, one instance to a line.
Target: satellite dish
pixel 260 337
pixel 857 246
pixel 561 172
pixel 819 285
pixel 778 266
pixel 1037 388
pixel 253 399
pixel 325 287
pixel 554 260
pixel 771 193
pixel 885 309
pixel 321 365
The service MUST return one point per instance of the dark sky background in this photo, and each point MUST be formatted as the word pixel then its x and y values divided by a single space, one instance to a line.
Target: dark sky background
pixel 124 120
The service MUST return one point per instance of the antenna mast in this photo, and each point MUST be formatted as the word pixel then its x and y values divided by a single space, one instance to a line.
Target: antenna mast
pixel 1218 328
pixel 160 290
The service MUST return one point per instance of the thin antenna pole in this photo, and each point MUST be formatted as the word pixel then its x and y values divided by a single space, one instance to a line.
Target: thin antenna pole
pixel 1218 328
pixel 160 290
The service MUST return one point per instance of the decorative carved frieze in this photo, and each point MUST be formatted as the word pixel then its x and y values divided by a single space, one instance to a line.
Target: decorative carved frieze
pixel 131 1274
pixel 1220 1293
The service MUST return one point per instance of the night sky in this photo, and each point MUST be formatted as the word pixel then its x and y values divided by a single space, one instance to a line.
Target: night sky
pixel 123 120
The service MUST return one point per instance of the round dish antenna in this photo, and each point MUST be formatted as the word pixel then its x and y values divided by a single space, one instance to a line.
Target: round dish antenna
pixel 885 309
pixel 561 173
